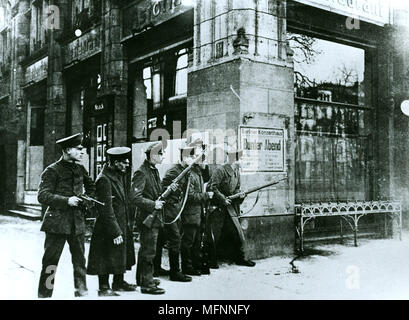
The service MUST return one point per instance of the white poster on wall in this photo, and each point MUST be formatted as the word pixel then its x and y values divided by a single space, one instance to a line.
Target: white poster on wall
pixel 263 149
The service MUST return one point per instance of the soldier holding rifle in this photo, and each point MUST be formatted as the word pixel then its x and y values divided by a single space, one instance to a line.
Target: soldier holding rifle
pixel 61 184
pixel 225 182
pixel 146 189
pixel 192 216
pixel 112 247
pixel 173 208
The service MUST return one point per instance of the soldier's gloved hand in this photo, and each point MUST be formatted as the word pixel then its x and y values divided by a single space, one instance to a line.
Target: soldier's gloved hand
pixel 210 194
pixel 159 204
pixel 174 186
pixel 74 201
pixel 242 195
pixel 118 240
pixel 227 202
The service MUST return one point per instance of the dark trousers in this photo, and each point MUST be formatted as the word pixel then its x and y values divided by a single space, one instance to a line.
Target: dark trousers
pixel 190 247
pixel 53 247
pixel 174 235
pixel 147 250
pixel 228 233
pixel 157 261
pixel 103 280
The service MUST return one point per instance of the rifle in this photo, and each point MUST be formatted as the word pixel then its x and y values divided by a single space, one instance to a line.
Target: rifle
pixel 150 218
pixel 205 232
pixel 251 190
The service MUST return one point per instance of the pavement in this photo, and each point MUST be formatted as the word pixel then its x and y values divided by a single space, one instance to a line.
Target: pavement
pixel 376 269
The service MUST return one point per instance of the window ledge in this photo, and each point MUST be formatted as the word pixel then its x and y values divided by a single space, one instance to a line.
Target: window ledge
pixel 178 98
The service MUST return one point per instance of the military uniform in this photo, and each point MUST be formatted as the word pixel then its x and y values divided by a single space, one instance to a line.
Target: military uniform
pixel 174 230
pixel 146 189
pixel 60 181
pixel 191 222
pixel 114 220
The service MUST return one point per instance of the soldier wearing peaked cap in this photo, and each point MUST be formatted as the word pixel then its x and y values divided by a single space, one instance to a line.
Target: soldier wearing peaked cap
pixel 112 248
pixel 225 181
pixel 145 190
pixel 61 184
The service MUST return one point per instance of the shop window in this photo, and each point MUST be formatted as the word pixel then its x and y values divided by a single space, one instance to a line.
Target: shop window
pixel 181 73
pixel 37 127
pixel 81 14
pixel 147 81
pixel 333 118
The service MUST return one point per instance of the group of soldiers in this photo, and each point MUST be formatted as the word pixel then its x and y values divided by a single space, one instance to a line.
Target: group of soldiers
pixel 174 210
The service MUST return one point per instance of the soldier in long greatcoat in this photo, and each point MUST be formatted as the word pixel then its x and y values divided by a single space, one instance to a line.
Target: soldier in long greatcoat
pixel 112 247
pixel 225 181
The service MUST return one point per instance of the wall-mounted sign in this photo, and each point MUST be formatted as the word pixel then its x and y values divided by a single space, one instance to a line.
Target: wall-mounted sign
pixel 84 47
pixel 263 149
pixel 142 15
pixel 37 71
pixel 374 11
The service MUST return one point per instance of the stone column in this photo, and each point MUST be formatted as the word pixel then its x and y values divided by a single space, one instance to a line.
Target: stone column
pixel 114 69
pixel 242 74
pixel 400 90
pixel 55 111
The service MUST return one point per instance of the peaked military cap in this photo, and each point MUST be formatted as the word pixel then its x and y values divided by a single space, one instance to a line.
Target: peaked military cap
pixel 71 141
pixel 118 153
pixel 154 147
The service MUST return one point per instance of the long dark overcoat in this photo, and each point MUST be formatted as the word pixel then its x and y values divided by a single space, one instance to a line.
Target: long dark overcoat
pixel 113 220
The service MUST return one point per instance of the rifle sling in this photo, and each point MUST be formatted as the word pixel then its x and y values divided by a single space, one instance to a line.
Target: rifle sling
pixel 183 205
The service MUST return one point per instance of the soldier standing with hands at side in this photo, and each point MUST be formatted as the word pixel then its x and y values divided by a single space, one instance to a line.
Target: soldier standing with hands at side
pixel 112 247
pixel 64 221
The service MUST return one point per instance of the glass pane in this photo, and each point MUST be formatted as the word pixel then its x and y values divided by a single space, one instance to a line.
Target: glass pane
pixel 156 90
pixel 328 71
pixel 147 73
pixel 182 62
pixel 181 82
pixel 148 86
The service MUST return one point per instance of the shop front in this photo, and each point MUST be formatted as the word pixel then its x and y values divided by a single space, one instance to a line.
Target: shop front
pixel 30 152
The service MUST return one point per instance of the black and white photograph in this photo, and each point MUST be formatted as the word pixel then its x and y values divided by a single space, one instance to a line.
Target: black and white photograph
pixel 217 151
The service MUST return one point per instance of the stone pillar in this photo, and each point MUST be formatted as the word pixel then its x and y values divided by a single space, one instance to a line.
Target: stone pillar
pixel 400 89
pixel 114 69
pixel 55 111
pixel 242 74
pixel 139 107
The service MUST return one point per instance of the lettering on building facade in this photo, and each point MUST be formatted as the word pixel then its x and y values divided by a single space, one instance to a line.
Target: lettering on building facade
pixel 37 71
pixel 374 11
pixel 142 16
pixel 84 47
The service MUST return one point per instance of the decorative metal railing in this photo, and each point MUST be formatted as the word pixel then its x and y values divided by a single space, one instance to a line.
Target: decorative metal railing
pixel 350 211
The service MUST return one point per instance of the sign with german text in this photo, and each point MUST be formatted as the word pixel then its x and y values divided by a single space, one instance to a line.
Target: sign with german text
pixel 37 71
pixel 143 15
pixel 84 47
pixel 263 149
pixel 374 11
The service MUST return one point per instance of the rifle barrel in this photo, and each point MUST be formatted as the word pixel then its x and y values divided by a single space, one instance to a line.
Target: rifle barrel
pixel 254 189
